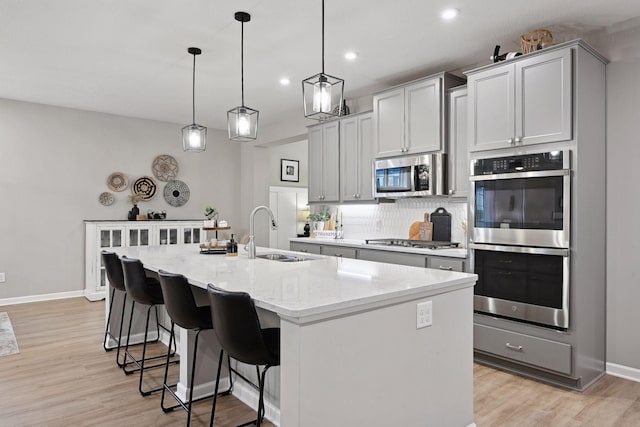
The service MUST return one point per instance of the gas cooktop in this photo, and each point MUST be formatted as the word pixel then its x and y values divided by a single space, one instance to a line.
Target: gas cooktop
pixel 427 244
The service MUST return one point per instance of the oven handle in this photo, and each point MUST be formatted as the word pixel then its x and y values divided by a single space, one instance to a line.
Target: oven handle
pixel 535 174
pixel 520 249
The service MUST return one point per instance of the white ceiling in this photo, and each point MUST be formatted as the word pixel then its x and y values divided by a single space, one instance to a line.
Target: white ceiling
pixel 130 57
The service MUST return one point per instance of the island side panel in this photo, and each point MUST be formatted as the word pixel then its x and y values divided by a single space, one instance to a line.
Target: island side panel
pixel 375 368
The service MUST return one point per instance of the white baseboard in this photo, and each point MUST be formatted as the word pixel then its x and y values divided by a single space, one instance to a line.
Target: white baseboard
pixel 250 396
pixel 42 297
pixel 622 371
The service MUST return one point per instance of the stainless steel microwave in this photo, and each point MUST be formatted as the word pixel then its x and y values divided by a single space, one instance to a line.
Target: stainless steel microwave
pixel 411 176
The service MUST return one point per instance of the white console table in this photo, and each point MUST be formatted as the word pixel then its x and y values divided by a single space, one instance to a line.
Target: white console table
pixel 101 235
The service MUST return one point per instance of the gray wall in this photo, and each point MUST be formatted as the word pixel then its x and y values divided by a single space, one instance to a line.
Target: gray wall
pixel 55 162
pixel 292 151
pixel 623 204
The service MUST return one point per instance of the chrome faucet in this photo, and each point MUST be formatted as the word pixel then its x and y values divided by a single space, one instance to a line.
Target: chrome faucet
pixel 251 246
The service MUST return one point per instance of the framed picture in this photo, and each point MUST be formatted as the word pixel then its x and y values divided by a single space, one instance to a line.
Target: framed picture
pixel 289 170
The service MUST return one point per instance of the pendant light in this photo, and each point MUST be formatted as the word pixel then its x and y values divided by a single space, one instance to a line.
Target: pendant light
pixel 322 93
pixel 194 136
pixel 242 121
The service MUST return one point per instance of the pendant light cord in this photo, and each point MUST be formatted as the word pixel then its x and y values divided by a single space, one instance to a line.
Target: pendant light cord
pixel 242 60
pixel 193 90
pixel 322 36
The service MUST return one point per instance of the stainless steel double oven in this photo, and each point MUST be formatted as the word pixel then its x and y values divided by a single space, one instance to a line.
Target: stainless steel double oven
pixel 520 218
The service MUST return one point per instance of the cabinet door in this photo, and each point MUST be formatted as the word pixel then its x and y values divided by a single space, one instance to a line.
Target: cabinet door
pixel 331 162
pixel 491 108
pixel 448 264
pixel 108 238
pixel 168 235
pixel 192 234
pixel 543 98
pixel 305 247
pixel 458 152
pixel 139 236
pixel 337 251
pixel 388 113
pixel 392 257
pixel 422 130
pixel 365 156
pixel 314 164
pixel 349 159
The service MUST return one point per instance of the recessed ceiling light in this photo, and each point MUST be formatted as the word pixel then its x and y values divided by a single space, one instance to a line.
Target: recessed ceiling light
pixel 449 14
pixel 350 56
pixel 285 81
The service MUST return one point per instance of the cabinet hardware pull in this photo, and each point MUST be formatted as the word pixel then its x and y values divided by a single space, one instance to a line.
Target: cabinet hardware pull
pixel 504 273
pixel 518 139
pixel 513 347
pixel 505 261
pixel 303 250
pixel 338 255
pixel 442 267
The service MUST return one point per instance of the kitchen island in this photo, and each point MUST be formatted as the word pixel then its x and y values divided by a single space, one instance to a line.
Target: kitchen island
pixel 351 352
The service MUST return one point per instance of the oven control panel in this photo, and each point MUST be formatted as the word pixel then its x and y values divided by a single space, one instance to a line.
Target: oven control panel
pixel 553 160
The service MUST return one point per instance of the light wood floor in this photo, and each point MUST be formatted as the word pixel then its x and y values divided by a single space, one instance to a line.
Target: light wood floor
pixel 63 377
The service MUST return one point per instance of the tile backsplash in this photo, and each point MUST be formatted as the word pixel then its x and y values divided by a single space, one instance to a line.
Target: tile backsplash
pixel 393 219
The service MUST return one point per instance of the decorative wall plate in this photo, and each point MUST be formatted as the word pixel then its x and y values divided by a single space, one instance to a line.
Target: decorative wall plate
pixel 117 181
pixel 106 199
pixel 176 193
pixel 165 167
pixel 145 186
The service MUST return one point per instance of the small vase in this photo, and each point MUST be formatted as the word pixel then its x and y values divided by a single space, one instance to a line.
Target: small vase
pixel 318 225
pixel 133 213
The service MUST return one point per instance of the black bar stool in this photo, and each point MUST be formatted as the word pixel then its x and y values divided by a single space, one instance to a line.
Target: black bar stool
pixel 113 268
pixel 236 325
pixel 146 291
pixel 184 312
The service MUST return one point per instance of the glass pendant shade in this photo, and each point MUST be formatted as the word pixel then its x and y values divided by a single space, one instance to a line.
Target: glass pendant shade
pixel 242 123
pixel 194 137
pixel 322 95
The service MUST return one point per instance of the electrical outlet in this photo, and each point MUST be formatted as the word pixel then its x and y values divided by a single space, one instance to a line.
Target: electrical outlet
pixel 2 278
pixel 424 314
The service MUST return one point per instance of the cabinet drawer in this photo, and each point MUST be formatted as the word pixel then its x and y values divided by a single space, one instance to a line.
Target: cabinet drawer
pixel 392 257
pixel 451 264
pixel 552 355
pixel 305 247
pixel 331 250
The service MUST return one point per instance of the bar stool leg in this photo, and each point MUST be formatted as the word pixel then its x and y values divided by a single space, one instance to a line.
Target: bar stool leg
pixel 215 393
pixel 124 305
pixel 106 329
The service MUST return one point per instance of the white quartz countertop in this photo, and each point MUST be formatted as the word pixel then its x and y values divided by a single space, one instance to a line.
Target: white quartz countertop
pixel 354 243
pixel 319 288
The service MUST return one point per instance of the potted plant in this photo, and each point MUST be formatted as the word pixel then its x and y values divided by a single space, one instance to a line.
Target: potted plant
pixel 318 219
pixel 212 216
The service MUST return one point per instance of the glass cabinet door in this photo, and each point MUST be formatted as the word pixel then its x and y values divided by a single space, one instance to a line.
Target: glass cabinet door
pixel 109 238
pixel 139 236
pixel 168 236
pixel 192 235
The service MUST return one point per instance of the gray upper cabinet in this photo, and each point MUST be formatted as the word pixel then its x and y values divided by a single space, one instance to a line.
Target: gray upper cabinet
pixel 388 111
pixel 458 150
pixel 410 119
pixel 526 101
pixel 324 162
pixel 422 126
pixel 356 158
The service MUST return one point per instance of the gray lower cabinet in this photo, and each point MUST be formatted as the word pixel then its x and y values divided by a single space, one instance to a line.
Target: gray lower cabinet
pixel 540 352
pixel 414 260
pixel 337 251
pixel 449 264
pixel 400 258
pixel 305 247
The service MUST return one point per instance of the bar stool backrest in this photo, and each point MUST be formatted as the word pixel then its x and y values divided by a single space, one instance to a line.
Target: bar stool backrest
pixel 237 327
pixel 135 280
pixel 179 300
pixel 113 267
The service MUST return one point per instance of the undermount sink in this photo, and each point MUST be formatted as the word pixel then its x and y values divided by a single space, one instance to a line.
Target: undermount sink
pixel 281 257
